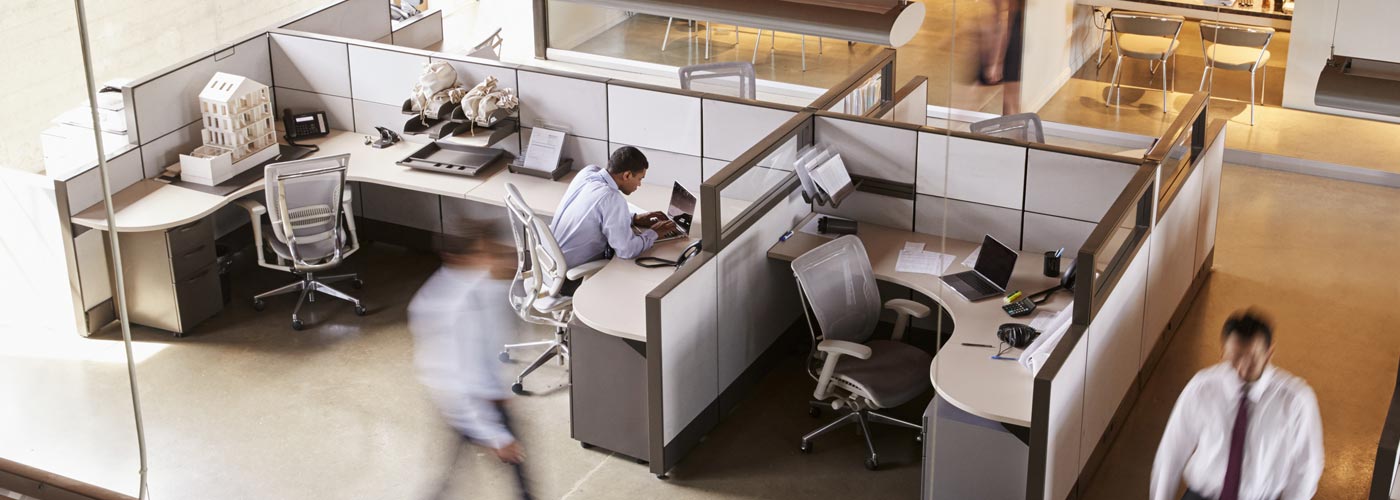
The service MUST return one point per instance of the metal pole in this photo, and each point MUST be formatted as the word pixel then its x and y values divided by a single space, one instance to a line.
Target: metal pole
pixel 120 287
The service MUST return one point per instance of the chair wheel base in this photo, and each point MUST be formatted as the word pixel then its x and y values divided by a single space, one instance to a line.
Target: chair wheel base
pixel 504 357
pixel 518 388
pixel 298 325
pixel 872 463
pixel 259 305
pixel 360 310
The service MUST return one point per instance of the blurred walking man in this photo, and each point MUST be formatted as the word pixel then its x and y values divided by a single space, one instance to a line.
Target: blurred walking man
pixel 1242 429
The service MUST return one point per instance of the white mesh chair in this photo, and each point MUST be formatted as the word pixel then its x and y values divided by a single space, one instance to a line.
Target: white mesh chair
pixel 748 80
pixel 853 372
pixel 1236 47
pixel 773 42
pixel 1151 37
pixel 313 229
pixel 536 292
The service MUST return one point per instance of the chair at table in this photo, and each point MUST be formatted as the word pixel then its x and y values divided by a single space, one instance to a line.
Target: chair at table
pixel 313 229
pixel 1236 47
pixel 1151 37
pixel 854 372
pixel 536 292
pixel 748 80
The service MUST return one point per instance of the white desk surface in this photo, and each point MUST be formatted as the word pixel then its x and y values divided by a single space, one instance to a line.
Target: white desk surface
pixel 612 301
pixel 966 376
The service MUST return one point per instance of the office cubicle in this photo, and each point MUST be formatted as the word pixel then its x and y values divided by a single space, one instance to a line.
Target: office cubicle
pixel 1138 271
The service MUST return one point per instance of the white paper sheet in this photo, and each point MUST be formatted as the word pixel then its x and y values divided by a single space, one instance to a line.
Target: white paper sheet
pixel 971 260
pixel 1041 320
pixel 545 147
pixel 923 262
pixel 913 246
pixel 832 176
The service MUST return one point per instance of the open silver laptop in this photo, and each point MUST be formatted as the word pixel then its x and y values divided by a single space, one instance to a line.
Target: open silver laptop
pixel 681 211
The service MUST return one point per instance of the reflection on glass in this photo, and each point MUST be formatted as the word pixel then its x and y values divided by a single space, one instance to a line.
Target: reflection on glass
pixel 770 172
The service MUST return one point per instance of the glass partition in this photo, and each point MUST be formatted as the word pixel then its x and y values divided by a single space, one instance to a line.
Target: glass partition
pixel 1116 238
pixel 760 176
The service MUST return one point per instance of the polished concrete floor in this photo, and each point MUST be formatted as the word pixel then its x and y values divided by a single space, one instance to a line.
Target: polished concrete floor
pixel 248 408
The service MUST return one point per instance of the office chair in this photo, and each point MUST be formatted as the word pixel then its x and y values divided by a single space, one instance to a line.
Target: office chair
pixel 313 229
pixel 748 80
pixel 1022 127
pixel 853 372
pixel 773 42
pixel 1140 35
pixel 1236 47
pixel 535 293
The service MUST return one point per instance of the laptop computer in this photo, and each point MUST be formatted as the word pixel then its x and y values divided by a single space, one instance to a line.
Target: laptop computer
pixel 989 277
pixel 681 211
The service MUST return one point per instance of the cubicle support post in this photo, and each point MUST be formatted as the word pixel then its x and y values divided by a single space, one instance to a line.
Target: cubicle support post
pixel 541 29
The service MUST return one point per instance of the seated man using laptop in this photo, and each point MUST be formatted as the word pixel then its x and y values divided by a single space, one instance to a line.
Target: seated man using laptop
pixel 593 218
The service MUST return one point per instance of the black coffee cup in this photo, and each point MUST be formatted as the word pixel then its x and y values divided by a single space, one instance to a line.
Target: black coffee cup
pixel 1052 264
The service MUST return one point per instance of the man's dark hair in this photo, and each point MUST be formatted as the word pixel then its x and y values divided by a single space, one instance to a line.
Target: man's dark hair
pixel 627 159
pixel 1248 325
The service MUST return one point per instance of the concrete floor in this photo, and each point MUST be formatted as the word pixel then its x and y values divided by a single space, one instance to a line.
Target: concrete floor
pixel 248 408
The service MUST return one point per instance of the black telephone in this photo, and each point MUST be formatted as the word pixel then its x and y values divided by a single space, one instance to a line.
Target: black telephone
pixel 1066 283
pixel 690 251
pixel 304 125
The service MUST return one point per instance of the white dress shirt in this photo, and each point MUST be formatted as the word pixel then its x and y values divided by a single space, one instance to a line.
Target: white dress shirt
pixel 1283 443
pixel 460 319
pixel 592 217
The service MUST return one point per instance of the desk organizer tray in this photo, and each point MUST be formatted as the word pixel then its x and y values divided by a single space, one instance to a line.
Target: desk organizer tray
pixel 518 167
pixel 452 158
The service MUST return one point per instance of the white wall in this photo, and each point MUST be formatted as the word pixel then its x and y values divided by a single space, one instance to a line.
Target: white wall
pixel 572 24
pixel 1371 34
pixel 36 293
pixel 1060 37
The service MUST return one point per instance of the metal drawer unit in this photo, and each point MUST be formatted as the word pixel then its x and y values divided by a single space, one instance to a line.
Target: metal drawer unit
pixel 172 282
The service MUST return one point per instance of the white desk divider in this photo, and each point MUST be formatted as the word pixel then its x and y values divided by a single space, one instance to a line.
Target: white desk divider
pixel 471 71
pixel 732 127
pixel 340 111
pixel 667 167
pixel 366 20
pixel 968 221
pixel 576 105
pixel 310 64
pixel 423 32
pixel 1095 182
pixel 870 149
pixel 383 76
pixel 168 100
pixel 654 119
pixel 910 103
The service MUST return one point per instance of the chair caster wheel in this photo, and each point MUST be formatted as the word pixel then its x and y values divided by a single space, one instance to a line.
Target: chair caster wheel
pixel 806 448
pixel 357 284
pixel 517 388
pixel 872 463
pixel 297 325
pixel 360 310
pixel 504 356
pixel 259 305
pixel 663 477
pixel 814 412
pixel 585 446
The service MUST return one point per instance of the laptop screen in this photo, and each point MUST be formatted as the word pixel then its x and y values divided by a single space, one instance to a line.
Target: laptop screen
pixel 682 208
pixel 996 261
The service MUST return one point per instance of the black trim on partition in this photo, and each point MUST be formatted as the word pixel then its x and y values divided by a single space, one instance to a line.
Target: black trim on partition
pixel 541 29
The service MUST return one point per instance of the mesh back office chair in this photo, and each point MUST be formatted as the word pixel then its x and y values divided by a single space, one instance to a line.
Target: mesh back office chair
pixel 536 292
pixel 1022 127
pixel 1140 35
pixel 313 229
pixel 853 372
pixel 748 79
pixel 1236 47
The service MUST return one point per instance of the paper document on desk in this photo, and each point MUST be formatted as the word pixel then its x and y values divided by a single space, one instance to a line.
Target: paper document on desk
pixel 971 260
pixel 921 261
pixel 544 149
pixel 1041 320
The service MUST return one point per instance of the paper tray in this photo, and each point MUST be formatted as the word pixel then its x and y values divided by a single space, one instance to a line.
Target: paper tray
pixel 452 158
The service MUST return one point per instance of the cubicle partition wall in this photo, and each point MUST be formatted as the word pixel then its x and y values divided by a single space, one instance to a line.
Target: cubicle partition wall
pixel 369 20
pixel 1138 271
pixel 869 91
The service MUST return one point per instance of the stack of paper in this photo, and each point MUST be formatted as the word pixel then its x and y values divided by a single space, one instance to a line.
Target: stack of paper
pixel 914 259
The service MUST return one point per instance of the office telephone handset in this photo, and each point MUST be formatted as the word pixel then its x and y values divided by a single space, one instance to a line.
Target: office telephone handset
pixel 304 125
pixel 651 262
pixel 1066 283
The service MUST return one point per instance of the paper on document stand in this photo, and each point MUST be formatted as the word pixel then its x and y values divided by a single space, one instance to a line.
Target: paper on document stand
pixel 832 178
pixel 1041 320
pixel 544 149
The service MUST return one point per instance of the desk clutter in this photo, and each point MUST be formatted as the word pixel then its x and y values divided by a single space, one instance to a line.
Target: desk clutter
pixel 441 106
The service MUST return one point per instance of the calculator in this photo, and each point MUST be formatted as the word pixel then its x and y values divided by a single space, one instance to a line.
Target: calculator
pixel 1019 308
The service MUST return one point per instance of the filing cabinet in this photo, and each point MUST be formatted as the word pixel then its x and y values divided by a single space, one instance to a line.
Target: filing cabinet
pixel 172 278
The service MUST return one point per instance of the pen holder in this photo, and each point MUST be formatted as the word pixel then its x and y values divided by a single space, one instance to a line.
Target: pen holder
pixel 1052 265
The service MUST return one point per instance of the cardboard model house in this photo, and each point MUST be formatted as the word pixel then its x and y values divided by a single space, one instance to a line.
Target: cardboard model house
pixel 238 133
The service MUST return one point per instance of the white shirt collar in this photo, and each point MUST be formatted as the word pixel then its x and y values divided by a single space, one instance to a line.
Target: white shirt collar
pixel 1256 388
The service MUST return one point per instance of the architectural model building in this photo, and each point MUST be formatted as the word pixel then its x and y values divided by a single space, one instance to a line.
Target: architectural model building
pixel 238 130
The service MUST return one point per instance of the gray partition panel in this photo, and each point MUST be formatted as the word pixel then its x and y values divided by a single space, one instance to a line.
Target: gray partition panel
pixel 1095 183
pixel 577 106
pixel 359 19
pixel 339 113
pixel 667 167
pixel 870 208
pixel 383 76
pixel 582 150
pixel 878 151
pixel 732 128
pixel 422 33
pixel 968 221
pixel 471 73
pixel 654 119
pixel 166 151
pixel 311 65
pixel 171 101
pixel 125 170
pixel 973 170
pixel 401 206
pixel 372 114
pixel 1047 232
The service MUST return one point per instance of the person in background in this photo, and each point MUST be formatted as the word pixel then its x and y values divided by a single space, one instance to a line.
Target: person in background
pixel 593 217
pixel 459 319
pixel 1242 429
pixel 999 58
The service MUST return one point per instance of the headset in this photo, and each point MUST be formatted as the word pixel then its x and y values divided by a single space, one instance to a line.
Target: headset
pixel 1016 335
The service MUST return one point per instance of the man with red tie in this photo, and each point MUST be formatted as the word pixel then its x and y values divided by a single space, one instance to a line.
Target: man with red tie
pixel 1242 429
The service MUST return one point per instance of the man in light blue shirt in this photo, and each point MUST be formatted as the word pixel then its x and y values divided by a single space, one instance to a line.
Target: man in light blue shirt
pixel 593 217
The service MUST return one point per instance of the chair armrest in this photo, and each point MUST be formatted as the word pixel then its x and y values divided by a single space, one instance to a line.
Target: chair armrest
pixel 905 308
pixel 845 348
pixel 583 271
pixel 908 307
pixel 254 208
pixel 255 213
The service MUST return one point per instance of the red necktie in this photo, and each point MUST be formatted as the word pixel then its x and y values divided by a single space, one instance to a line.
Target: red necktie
pixel 1231 490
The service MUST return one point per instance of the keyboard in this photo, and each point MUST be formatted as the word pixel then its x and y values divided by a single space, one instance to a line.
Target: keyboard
pixel 974 283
